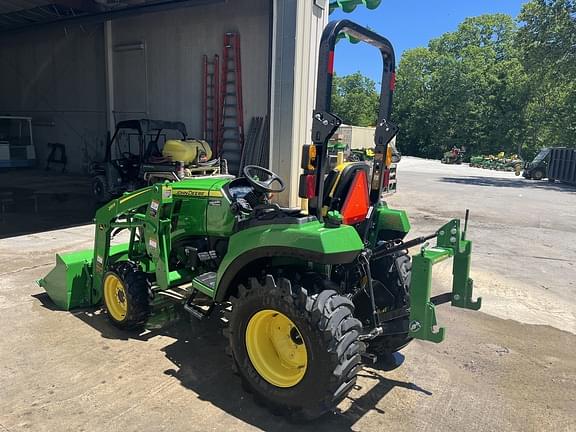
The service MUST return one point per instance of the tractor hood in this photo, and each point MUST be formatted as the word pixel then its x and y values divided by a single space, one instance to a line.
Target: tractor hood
pixel 200 186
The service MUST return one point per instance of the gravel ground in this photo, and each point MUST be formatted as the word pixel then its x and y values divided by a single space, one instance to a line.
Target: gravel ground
pixel 510 367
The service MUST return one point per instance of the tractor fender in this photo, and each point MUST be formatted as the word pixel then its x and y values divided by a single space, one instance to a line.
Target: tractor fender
pixel 310 241
pixel 390 224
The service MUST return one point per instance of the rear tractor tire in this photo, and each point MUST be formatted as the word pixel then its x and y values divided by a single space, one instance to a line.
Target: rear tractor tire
pixel 395 276
pixel 126 295
pixel 298 353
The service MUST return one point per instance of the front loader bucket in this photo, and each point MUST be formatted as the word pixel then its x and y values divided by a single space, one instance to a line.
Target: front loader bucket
pixel 68 284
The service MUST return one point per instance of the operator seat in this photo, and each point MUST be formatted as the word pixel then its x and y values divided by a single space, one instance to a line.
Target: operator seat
pixel 338 184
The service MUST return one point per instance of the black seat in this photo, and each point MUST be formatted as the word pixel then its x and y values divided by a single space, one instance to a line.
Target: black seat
pixel 338 183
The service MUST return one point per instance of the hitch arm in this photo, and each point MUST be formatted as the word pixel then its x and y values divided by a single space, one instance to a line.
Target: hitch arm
pixel 450 243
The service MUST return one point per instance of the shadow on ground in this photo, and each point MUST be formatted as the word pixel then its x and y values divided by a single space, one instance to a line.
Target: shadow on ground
pixel 510 183
pixel 202 365
pixel 34 201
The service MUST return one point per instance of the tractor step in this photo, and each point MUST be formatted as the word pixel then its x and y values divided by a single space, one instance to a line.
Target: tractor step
pixel 178 294
pixel 199 305
pixel 205 281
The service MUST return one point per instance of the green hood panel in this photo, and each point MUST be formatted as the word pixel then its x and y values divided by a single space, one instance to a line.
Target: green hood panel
pixel 203 184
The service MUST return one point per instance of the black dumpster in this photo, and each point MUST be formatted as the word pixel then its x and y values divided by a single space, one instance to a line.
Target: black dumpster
pixel 562 165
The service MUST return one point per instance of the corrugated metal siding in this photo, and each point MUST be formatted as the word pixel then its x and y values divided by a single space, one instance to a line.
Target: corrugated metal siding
pixel 299 26
pixel 175 42
pixel 7 6
pixel 57 78
pixel 562 166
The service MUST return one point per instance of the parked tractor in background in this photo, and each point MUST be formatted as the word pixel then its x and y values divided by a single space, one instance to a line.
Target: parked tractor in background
pixel 307 297
pixel 499 162
pixel 142 152
pixel 454 156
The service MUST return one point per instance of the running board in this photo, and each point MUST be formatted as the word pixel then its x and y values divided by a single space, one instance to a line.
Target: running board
pixel 200 303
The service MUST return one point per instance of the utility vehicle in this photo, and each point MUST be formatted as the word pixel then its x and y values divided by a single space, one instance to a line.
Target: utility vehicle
pixel 145 151
pixel 308 298
pixel 538 168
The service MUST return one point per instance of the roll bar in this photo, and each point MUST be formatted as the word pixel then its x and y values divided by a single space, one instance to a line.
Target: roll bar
pixel 326 63
pixel 324 123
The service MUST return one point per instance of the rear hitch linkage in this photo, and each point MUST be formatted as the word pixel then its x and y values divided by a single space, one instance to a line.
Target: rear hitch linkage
pixel 451 243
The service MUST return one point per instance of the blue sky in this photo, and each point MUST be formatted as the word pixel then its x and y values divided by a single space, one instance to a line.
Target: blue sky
pixel 409 24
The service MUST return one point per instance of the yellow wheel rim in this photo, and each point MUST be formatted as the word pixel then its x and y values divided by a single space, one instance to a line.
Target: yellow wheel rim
pixel 276 348
pixel 115 297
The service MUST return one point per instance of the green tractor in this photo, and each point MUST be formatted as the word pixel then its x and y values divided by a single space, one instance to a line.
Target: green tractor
pixel 308 297
pixel 454 156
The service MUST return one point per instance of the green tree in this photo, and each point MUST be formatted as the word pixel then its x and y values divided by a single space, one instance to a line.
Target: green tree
pixel 466 89
pixel 355 100
pixel 546 41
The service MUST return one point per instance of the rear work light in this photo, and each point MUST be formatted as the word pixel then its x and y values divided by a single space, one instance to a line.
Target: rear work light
pixel 357 202
pixel 310 186
pixel 307 186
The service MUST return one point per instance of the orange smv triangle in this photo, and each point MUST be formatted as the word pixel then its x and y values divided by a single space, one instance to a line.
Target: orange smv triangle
pixel 357 201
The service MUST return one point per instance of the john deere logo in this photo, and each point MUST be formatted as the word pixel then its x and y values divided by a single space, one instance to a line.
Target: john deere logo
pixel 192 193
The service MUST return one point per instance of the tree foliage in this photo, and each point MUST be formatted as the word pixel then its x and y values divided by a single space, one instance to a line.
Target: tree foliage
pixel 354 99
pixel 492 85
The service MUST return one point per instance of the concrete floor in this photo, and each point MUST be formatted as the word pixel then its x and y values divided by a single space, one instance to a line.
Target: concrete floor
pixel 510 367
pixel 33 200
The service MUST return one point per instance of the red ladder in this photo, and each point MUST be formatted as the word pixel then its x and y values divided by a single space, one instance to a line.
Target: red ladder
pixel 210 103
pixel 231 134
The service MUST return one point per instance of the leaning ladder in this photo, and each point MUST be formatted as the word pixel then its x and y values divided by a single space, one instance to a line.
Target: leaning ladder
pixel 210 108
pixel 231 134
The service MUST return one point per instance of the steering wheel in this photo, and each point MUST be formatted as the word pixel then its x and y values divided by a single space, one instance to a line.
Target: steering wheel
pixel 262 179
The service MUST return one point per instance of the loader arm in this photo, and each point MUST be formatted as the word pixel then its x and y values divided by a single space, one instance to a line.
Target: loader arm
pixel 156 202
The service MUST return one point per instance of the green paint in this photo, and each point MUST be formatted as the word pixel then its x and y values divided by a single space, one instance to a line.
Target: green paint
pixel 387 220
pixel 349 5
pixel 68 283
pixel 312 236
pixel 391 219
pixel 449 243
pixel 205 289
pixel 422 311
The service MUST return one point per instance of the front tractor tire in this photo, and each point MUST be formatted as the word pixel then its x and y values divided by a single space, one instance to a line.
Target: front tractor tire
pixel 100 189
pixel 298 353
pixel 126 295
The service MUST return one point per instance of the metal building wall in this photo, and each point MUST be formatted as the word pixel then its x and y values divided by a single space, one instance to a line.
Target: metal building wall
pixel 298 26
pixel 170 45
pixel 56 76
pixel 59 76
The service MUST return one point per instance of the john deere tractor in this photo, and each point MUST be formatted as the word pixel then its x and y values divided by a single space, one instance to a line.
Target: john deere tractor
pixel 308 297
